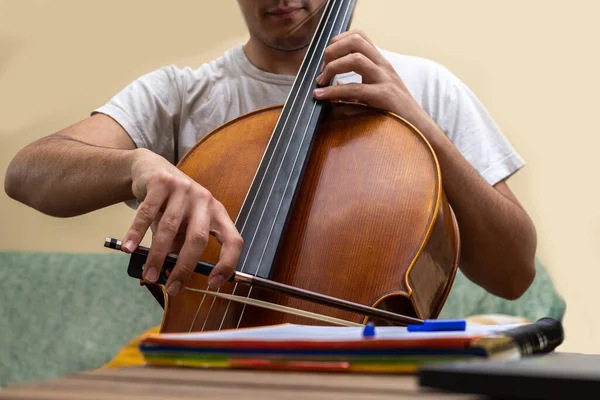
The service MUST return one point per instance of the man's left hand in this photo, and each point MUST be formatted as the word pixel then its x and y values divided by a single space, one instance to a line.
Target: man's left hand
pixel 381 86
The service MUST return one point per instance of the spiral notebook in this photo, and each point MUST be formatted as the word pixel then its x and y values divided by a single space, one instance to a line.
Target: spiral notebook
pixel 346 349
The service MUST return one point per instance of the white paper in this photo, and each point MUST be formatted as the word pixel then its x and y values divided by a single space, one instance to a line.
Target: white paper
pixel 330 333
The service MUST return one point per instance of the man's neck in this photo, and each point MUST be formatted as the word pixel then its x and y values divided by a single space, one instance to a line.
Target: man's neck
pixel 271 60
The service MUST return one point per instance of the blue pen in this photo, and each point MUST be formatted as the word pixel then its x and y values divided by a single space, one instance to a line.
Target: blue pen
pixel 433 325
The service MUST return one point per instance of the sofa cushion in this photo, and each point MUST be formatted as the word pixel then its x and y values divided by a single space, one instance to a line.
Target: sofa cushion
pixel 63 313
pixel 540 300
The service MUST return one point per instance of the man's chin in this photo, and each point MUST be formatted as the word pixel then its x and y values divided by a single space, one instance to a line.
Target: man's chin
pixel 287 46
pixel 292 49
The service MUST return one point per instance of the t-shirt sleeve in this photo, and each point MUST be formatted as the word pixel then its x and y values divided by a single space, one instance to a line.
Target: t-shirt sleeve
pixel 469 125
pixel 149 109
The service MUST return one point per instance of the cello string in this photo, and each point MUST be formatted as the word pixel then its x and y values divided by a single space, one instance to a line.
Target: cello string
pixel 299 150
pixel 272 226
pixel 297 95
pixel 198 312
pixel 253 203
pixel 287 118
pixel 317 10
pixel 278 307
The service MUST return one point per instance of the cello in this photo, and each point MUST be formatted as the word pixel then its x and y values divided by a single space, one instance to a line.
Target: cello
pixel 340 205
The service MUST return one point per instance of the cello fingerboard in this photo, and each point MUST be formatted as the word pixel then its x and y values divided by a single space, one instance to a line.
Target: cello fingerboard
pixel 264 214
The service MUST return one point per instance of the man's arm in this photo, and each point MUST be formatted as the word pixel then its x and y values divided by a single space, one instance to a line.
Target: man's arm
pixel 497 236
pixel 94 163
pixel 77 170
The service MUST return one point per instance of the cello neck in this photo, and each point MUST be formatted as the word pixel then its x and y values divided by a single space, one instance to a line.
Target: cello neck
pixel 264 214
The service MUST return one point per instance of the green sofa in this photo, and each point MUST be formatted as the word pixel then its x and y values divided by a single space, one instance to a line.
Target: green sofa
pixel 63 313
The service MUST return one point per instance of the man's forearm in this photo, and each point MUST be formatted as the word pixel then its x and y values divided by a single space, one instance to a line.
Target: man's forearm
pixel 498 238
pixel 63 177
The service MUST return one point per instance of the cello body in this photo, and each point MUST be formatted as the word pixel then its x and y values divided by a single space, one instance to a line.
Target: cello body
pixel 370 222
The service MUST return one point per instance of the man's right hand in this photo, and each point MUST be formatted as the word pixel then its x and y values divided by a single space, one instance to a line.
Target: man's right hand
pixel 179 206
pixel 94 163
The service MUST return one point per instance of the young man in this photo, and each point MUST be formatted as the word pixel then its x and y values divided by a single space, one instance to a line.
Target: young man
pixel 125 150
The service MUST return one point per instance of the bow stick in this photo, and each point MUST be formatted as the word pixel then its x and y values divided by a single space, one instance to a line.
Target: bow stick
pixel 139 256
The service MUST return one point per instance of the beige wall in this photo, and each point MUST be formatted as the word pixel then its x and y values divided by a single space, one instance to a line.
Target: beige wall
pixel 533 63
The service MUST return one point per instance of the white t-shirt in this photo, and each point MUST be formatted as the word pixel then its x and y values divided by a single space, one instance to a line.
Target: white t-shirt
pixel 191 102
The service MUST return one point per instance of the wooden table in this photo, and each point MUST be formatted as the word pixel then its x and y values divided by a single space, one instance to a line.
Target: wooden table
pixel 178 383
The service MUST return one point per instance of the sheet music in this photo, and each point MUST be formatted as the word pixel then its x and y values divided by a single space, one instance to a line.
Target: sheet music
pixel 288 332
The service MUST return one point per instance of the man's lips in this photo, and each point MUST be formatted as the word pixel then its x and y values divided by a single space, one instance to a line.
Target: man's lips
pixel 284 12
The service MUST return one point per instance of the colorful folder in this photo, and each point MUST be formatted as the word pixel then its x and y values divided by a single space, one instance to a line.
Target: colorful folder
pixel 333 348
